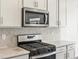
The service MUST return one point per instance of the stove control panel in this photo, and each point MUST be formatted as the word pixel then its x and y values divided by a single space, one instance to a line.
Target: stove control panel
pixel 29 37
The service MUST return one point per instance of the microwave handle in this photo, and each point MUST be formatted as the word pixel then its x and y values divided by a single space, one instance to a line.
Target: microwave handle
pixel 45 18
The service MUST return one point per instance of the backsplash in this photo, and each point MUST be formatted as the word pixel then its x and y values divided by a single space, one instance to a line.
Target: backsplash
pixel 48 34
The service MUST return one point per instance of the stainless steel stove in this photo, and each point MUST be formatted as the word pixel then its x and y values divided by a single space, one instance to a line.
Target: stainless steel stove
pixel 37 48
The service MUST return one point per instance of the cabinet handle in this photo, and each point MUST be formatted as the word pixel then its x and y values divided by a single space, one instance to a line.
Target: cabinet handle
pixel 35 4
pixel 1 20
pixel 64 56
pixel 68 55
pixel 57 23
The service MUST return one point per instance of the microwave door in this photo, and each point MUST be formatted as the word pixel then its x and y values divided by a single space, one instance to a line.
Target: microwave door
pixel 33 18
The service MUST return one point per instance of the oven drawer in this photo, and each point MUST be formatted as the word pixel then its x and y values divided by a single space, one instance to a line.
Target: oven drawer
pixel 61 49
pixel 51 55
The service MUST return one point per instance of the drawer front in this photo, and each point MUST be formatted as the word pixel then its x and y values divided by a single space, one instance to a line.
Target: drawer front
pixel 61 49
pixel 70 47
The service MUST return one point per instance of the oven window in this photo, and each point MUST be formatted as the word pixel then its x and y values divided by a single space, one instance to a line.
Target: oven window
pixel 49 57
pixel 34 18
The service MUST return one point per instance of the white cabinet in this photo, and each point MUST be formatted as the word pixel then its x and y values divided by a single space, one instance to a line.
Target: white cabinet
pixel 42 4
pixel 70 52
pixel 53 13
pixel 61 55
pixel 38 4
pixel 9 15
pixel 28 3
pixel 57 13
pixel 65 52
pixel 62 13
pixel 21 57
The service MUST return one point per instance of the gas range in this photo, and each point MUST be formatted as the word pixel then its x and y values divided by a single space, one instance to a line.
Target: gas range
pixel 33 43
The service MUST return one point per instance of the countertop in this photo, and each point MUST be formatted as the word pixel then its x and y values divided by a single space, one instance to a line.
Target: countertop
pixel 12 52
pixel 60 43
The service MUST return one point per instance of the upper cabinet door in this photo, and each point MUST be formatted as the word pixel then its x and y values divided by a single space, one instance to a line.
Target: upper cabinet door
pixel 38 4
pixel 0 14
pixel 62 13
pixel 42 4
pixel 10 13
pixel 57 13
pixel 53 13
pixel 28 3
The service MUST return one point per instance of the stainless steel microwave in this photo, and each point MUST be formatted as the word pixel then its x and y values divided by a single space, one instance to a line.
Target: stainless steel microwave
pixel 34 17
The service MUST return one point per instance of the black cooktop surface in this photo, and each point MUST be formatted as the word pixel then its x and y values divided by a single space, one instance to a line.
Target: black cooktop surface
pixel 37 48
pixel 36 45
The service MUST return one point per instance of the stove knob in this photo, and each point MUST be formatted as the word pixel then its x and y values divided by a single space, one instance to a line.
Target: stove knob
pixel 51 49
pixel 38 52
pixel 34 53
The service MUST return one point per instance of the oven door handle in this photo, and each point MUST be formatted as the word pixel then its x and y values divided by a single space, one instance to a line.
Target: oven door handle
pixel 43 55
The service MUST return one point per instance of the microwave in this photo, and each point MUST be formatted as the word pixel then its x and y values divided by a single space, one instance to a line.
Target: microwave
pixel 34 17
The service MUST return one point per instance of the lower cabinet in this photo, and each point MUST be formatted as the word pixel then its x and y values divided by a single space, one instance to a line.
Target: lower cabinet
pixel 20 57
pixel 66 52
pixel 70 52
pixel 61 55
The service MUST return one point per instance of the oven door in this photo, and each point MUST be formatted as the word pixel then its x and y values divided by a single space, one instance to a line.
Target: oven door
pixel 45 56
pixel 32 17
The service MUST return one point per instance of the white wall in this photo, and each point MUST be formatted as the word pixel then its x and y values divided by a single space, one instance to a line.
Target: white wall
pixel 69 32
